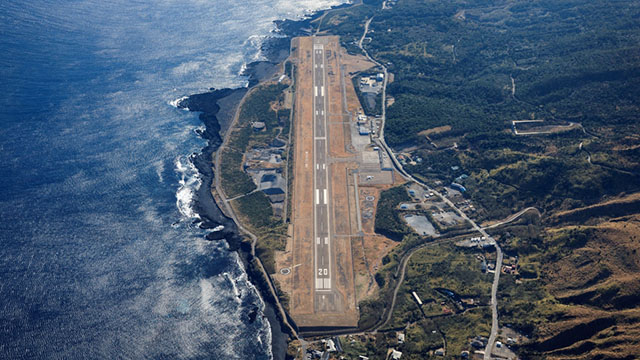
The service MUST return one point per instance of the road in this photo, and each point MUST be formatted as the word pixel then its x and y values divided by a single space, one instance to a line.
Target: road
pixel 403 268
pixel 228 210
pixel 382 143
pixel 512 218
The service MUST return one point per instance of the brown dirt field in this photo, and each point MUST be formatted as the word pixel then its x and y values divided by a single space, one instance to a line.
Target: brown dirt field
pixel 372 245
pixel 284 259
pixel 435 130
pixel 340 134
pixel 353 103
pixel 364 282
pixel 339 139
pixel 341 214
pixel 355 63
pixel 344 278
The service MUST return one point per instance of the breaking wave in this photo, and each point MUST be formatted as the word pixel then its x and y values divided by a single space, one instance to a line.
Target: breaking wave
pixel 189 183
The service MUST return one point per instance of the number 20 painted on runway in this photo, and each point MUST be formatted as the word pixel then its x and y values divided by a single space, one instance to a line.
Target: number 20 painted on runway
pixel 323 272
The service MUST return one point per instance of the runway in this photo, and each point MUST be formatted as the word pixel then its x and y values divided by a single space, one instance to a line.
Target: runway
pixel 322 278
pixel 321 217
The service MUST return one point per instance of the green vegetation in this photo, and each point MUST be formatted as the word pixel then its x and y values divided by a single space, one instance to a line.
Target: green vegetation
pixel 257 107
pixel 253 207
pixel 388 221
pixel 455 63
pixel 256 209
pixel 423 336
pixel 476 66
pixel 441 266
pixel 234 180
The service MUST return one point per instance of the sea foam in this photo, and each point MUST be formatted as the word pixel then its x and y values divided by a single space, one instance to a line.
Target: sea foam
pixel 175 103
pixel 188 184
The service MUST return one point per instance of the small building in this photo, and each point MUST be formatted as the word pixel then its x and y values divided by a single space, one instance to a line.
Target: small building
pixel 258 126
pixel 400 336
pixel 439 352
pixel 363 130
pixel 380 77
pixel 458 187
pixel 273 185
pixel 331 346
pixel 395 354
pixel 415 296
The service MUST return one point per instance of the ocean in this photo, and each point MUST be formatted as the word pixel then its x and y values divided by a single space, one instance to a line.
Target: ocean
pixel 101 254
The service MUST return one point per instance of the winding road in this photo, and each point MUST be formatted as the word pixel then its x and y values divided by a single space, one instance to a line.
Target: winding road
pixel 513 218
pixel 382 143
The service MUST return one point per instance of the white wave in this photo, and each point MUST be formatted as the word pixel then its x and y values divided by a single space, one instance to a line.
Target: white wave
pixel 177 102
pixel 199 129
pixel 187 68
pixel 189 182
pixel 254 43
pixel 236 292
pixel 207 293
pixel 244 281
pixel 159 166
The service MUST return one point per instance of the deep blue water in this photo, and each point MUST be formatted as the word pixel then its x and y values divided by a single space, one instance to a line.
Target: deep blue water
pixel 99 258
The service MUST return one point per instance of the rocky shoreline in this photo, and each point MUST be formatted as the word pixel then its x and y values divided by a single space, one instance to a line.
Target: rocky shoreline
pixel 217 109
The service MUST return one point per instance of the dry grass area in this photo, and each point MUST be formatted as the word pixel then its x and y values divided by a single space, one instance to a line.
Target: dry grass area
pixel 355 63
pixel 612 208
pixel 595 282
pixel 371 246
pixel 436 130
